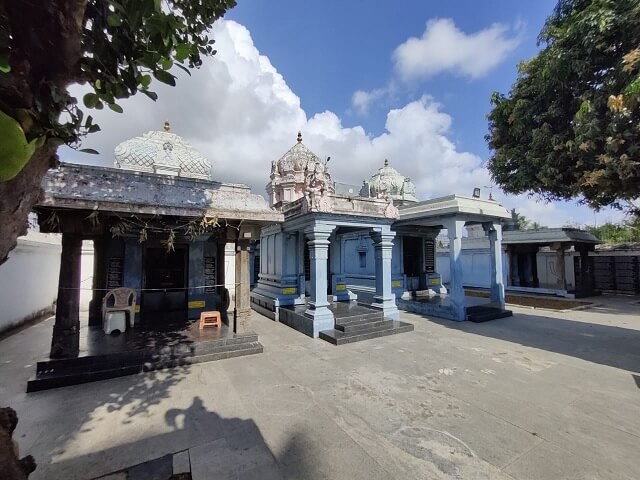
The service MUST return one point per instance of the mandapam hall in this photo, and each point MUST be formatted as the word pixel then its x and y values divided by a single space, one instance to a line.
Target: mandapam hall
pixel 346 257
pixel 163 232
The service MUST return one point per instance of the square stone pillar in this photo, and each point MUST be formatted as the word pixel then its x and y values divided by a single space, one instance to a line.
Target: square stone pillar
pixel 384 297
pixel 494 232
pixel 65 342
pixel 243 301
pixel 455 228
pixel 317 307
pixel 99 281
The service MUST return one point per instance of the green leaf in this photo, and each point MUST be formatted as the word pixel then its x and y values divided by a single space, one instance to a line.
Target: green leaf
pixel 182 51
pixel 114 20
pixel 94 128
pixel 115 107
pixel 4 63
pixel 90 100
pixel 145 81
pixel 166 63
pixel 89 150
pixel 152 95
pixel 165 77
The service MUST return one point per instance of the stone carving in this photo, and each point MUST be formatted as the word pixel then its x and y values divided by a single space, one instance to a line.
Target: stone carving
pixel 11 467
pixel 318 187
pixel 299 173
pixel 389 182
pixel 158 149
pixel 391 211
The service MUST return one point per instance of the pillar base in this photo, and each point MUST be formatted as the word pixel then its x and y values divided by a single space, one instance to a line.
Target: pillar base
pixel 65 342
pixel 458 308
pixel 243 322
pixel 388 307
pixel 319 318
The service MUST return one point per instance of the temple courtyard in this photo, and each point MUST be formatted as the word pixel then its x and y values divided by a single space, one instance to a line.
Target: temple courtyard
pixel 540 395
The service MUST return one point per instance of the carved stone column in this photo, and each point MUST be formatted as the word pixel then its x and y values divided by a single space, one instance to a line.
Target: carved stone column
pixel 99 281
pixel 384 297
pixel 243 274
pixel 65 342
pixel 455 228
pixel 494 231
pixel 317 307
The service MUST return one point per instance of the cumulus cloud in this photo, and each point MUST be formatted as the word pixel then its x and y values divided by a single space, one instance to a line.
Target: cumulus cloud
pixel 362 100
pixel 240 112
pixel 443 47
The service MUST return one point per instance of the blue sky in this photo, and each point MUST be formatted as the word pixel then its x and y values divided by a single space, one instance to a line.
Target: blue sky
pixel 328 50
pixel 363 80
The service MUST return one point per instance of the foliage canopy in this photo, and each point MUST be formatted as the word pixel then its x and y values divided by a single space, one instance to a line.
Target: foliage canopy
pixel 570 126
pixel 116 47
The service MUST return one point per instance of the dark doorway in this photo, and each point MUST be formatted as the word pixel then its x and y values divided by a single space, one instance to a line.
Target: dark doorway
pixel 412 247
pixel 164 296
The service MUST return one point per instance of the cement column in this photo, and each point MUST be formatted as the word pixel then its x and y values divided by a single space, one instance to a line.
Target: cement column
pixel 317 306
pixel 99 281
pixel 243 300
pixel 384 297
pixel 495 259
pixel 456 289
pixel 66 330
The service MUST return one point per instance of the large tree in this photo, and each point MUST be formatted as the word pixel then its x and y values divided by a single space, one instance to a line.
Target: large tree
pixel 570 126
pixel 116 47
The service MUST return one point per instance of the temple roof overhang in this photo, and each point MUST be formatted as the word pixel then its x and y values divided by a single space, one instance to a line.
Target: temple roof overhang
pixel 85 187
pixel 433 212
pixel 546 236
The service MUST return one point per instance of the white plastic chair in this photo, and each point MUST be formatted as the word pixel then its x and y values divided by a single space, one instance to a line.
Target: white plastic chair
pixel 124 300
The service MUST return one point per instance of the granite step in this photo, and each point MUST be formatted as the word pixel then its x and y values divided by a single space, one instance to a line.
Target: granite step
pixel 483 313
pixel 359 325
pixel 360 317
pixel 389 327
pixel 55 373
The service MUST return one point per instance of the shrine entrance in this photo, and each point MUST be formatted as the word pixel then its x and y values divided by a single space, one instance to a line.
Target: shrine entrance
pixel 164 291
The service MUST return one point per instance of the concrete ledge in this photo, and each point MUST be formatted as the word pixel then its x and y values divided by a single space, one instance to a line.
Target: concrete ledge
pixel 427 309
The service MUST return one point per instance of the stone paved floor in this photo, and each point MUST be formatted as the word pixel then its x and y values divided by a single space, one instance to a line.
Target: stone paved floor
pixel 540 395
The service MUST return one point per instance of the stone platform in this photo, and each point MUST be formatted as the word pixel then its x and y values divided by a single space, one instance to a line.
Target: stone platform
pixel 141 349
pixel 353 322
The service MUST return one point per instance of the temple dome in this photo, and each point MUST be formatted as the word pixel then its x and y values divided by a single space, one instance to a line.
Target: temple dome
pixel 389 182
pixel 291 173
pixel 298 159
pixel 162 152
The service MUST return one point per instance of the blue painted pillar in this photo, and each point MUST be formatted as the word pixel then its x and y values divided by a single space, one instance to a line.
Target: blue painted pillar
pixel 317 306
pixel 455 228
pixel 384 298
pixel 495 257
pixel 132 271
pixel 196 295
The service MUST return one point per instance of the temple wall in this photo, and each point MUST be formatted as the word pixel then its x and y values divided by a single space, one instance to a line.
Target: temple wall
pixel 29 279
pixel 476 267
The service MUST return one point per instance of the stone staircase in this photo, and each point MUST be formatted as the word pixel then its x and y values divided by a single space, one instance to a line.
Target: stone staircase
pixel 73 371
pixel 363 326
pixel 484 313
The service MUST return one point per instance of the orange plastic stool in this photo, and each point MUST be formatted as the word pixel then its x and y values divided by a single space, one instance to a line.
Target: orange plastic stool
pixel 210 319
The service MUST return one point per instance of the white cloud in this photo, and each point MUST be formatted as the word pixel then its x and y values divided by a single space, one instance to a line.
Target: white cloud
pixel 239 111
pixel 362 100
pixel 444 47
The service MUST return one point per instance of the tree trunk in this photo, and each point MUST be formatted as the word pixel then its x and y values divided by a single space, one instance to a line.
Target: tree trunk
pixel 19 195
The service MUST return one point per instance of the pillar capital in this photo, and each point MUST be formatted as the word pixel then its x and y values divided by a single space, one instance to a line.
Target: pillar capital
pixel 318 235
pixel 455 228
pixel 382 238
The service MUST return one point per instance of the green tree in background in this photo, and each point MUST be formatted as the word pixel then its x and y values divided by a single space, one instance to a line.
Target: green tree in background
pixel 570 126
pixel 116 47
pixel 628 231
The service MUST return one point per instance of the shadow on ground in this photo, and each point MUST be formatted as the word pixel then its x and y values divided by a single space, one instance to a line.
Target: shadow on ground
pixel 604 344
